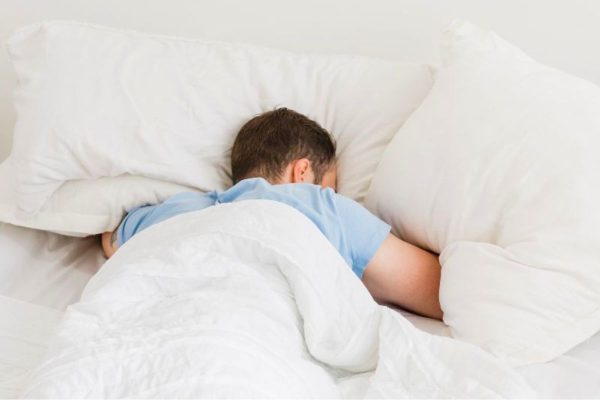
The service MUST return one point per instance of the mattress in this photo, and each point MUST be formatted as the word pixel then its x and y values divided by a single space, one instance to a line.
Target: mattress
pixel 42 273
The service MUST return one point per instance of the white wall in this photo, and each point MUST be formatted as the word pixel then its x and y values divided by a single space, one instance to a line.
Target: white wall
pixel 562 33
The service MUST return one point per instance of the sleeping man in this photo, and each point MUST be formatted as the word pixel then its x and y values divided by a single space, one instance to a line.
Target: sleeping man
pixel 284 156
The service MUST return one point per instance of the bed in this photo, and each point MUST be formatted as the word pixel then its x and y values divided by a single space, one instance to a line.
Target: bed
pixel 43 273
pixel 30 309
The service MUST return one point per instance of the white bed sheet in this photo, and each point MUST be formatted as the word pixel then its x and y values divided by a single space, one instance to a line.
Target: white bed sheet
pixel 576 374
pixel 46 269
pixel 42 273
pixel 24 338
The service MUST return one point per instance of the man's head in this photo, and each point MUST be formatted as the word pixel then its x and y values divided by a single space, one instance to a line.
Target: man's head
pixel 283 146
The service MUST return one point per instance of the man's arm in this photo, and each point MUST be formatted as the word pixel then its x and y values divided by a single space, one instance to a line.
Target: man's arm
pixel 109 243
pixel 405 275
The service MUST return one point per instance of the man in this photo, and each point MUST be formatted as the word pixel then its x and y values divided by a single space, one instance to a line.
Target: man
pixel 284 156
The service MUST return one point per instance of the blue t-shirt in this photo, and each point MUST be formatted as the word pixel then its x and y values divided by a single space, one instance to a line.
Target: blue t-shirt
pixel 351 228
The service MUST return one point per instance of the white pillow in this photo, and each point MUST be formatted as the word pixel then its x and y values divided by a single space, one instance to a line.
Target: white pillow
pixel 499 170
pixel 86 207
pixel 94 101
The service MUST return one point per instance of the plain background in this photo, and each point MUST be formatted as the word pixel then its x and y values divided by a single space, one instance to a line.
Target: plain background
pixel 561 33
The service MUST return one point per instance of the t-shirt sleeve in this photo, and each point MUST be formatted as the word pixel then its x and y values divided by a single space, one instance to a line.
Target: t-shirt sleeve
pixel 142 217
pixel 363 231
pixel 134 221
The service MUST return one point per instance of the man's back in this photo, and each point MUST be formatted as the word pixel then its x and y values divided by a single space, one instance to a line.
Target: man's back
pixel 349 227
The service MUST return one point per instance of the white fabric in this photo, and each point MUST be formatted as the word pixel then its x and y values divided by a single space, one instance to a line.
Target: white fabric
pixel 574 375
pixel 51 271
pixel 94 101
pixel 26 330
pixel 40 275
pixel 499 170
pixel 44 268
pixel 85 207
pixel 227 302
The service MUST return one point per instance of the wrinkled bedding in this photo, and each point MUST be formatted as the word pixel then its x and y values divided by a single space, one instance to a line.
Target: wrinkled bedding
pixel 249 300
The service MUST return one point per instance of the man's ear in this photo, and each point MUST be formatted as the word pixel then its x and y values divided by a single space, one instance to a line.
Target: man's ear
pixel 302 172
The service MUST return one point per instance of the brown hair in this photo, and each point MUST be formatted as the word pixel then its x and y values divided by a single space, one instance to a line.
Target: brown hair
pixel 270 141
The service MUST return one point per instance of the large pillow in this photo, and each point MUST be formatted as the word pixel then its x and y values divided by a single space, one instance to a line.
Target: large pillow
pixel 94 101
pixel 499 170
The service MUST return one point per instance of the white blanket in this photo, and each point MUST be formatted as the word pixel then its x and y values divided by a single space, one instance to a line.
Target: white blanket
pixel 249 300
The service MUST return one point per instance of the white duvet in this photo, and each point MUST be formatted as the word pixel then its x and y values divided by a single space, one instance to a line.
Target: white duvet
pixel 249 300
